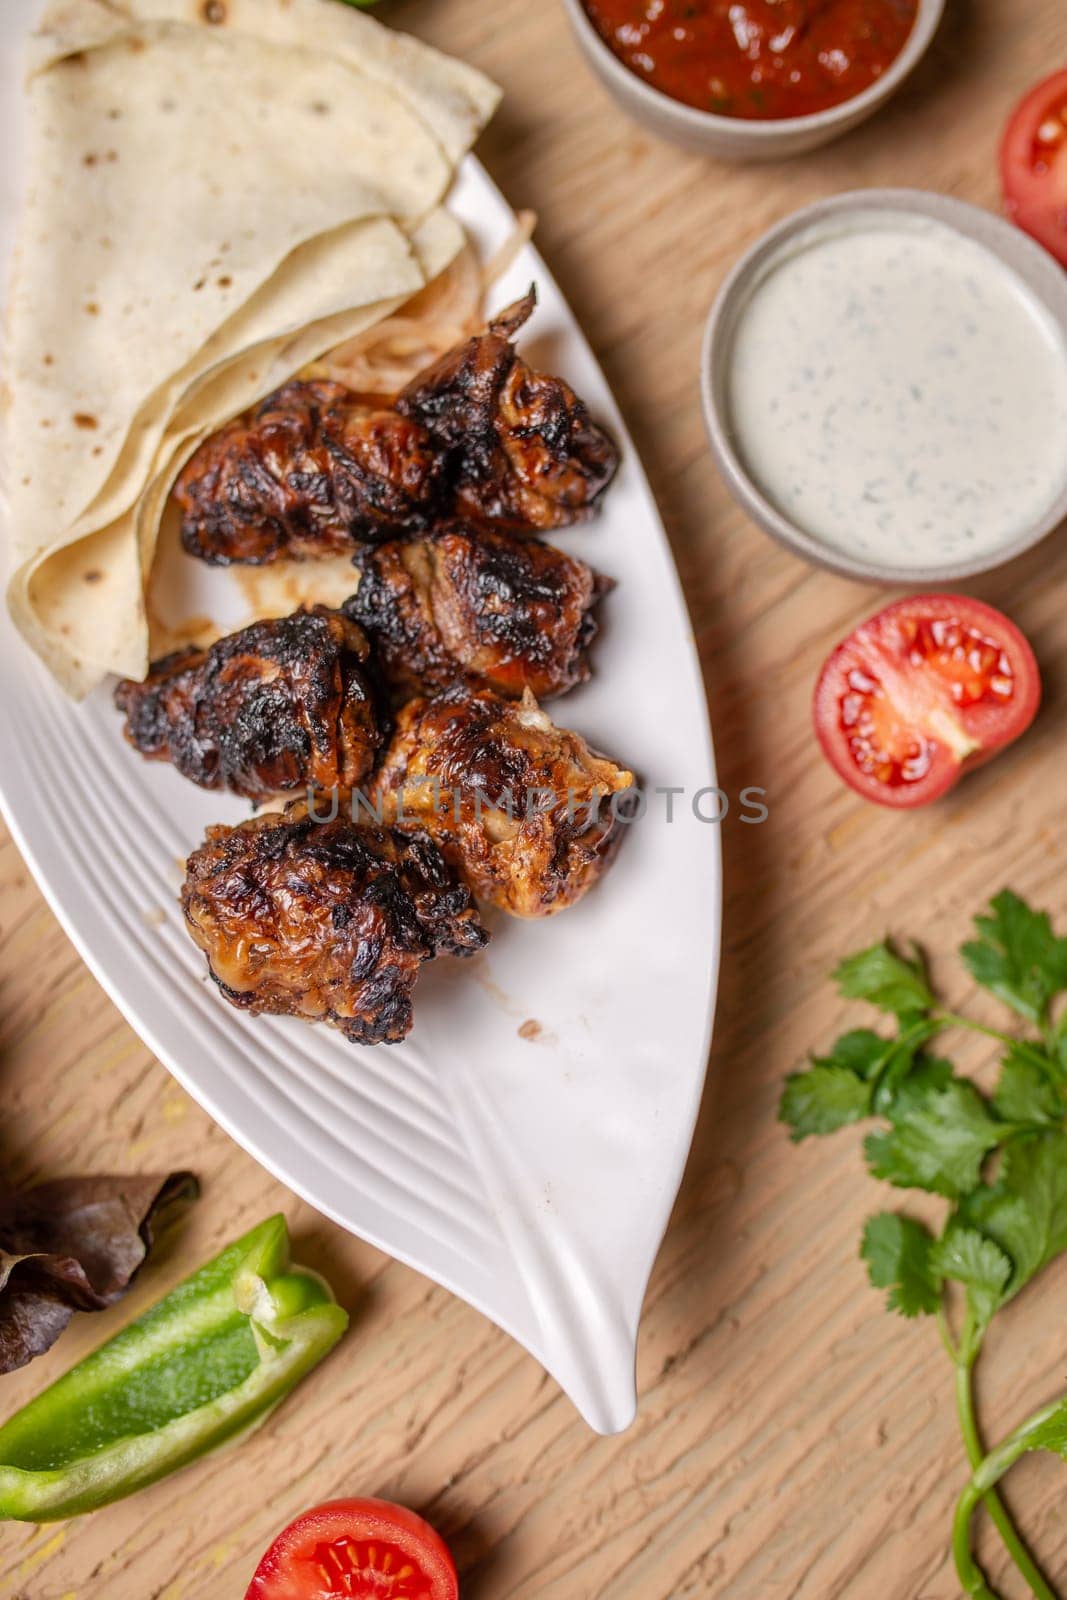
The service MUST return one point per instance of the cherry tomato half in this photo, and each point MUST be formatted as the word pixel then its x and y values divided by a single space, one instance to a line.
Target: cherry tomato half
pixel 356 1550
pixel 921 693
pixel 1033 164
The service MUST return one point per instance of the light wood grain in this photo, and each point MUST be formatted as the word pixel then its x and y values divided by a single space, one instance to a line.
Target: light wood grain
pixel 793 1442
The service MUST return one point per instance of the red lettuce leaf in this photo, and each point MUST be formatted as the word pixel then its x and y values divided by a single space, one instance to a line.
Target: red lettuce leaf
pixel 74 1244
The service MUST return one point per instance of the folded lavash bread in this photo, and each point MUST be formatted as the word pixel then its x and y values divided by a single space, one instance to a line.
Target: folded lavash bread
pixel 83 604
pixel 217 193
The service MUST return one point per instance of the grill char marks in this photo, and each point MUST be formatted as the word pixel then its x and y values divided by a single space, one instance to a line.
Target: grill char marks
pixel 324 920
pixel 306 474
pixel 315 469
pixel 281 705
pixel 525 453
pixel 521 809
pixel 477 604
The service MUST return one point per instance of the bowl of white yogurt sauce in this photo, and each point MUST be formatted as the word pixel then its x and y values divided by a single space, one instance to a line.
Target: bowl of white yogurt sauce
pixel 885 386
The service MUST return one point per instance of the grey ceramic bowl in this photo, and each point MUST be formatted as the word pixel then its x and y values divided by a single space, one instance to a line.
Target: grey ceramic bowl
pixel 735 138
pixel 1029 261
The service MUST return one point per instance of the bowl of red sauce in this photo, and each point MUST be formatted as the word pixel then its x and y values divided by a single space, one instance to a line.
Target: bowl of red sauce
pixel 753 79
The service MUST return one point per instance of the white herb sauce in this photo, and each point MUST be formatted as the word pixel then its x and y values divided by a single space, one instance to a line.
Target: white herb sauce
pixel 898 392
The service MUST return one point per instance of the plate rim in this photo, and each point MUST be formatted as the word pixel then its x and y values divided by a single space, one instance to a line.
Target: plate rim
pixel 619 1411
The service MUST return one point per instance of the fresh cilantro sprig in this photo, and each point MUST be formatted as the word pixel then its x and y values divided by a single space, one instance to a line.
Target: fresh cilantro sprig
pixel 1018 957
pixel 999 1160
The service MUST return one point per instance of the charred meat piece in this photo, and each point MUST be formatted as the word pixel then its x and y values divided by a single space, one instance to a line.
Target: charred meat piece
pixel 524 811
pixel 281 705
pixel 509 614
pixel 325 920
pixel 306 474
pixel 315 469
pixel 523 450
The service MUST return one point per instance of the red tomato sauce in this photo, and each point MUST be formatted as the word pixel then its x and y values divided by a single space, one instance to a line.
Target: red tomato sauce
pixel 760 59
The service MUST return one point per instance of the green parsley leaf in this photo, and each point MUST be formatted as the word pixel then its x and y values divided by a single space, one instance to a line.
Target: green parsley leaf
pixel 942 1131
pixel 1025 1210
pixel 833 1092
pixel 862 1051
pixel 823 1099
pixel 1027 1094
pixel 899 1256
pixel 887 980
pixel 939 1141
pixel 1051 1432
pixel 1058 1048
pixel 968 1257
pixel 1018 957
pixel 911 1093
pixel 900 1062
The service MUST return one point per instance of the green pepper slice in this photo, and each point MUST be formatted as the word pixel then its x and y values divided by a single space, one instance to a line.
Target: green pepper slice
pixel 210 1360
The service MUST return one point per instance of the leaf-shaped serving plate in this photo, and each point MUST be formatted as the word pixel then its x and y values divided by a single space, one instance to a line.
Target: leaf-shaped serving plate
pixel 525 1145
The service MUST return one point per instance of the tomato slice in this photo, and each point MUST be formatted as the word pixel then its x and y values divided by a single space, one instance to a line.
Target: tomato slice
pixel 1033 164
pixel 921 693
pixel 356 1550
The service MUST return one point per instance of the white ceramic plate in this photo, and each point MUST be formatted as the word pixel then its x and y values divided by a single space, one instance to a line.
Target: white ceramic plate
pixel 533 1177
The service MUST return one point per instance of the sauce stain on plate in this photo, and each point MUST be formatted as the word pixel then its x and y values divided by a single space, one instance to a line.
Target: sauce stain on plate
pixel 535 1032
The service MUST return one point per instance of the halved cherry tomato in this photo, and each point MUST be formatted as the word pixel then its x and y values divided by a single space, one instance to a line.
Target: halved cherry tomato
pixel 1033 164
pixel 356 1550
pixel 922 692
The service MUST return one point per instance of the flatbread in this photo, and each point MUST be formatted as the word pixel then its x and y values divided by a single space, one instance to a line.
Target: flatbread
pixel 82 607
pixel 201 192
pixel 455 101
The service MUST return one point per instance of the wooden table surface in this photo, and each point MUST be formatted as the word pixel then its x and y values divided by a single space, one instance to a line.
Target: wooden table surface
pixel 793 1442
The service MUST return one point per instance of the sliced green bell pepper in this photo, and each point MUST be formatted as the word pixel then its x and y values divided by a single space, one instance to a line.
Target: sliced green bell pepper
pixel 209 1361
